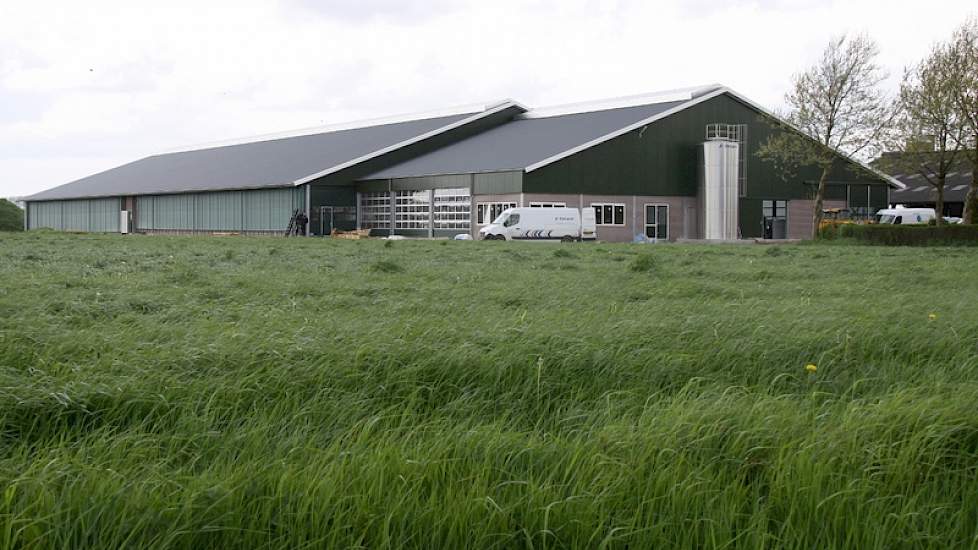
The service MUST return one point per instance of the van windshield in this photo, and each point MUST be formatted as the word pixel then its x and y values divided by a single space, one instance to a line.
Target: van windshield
pixel 886 218
pixel 501 218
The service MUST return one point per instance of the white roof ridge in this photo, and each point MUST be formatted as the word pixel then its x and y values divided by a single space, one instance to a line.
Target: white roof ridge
pixel 651 98
pixel 471 108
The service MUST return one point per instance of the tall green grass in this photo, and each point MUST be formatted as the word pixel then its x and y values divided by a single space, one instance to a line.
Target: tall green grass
pixel 241 392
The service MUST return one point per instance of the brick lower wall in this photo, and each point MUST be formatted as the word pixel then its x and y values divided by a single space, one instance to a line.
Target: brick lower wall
pixel 680 208
pixel 800 216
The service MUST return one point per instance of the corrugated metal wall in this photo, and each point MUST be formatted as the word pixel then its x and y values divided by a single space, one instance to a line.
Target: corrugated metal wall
pixel 252 210
pixel 92 215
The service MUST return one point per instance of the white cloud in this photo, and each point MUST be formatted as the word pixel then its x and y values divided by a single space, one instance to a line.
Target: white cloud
pixel 83 84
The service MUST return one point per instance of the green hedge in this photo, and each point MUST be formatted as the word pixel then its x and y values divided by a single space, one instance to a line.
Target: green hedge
pixel 906 235
pixel 11 217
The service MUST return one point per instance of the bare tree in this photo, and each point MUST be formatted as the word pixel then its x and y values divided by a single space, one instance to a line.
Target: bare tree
pixel 835 106
pixel 931 130
pixel 963 59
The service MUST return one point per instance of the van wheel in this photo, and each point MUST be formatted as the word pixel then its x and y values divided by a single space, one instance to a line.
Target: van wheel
pixel 567 239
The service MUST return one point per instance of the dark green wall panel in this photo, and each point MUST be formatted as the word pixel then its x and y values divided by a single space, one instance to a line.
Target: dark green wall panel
pixel 750 218
pixel 661 160
pixel 879 197
pixel 498 183
pixel 343 200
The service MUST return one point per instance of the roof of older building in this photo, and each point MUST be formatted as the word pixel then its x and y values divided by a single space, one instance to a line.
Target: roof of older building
pixel 921 189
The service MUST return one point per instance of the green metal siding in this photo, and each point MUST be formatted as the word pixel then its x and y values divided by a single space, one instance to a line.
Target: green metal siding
pixel 74 215
pixel 270 209
pixel 164 212
pixel 489 183
pixel 432 182
pixel 335 196
pixel 498 183
pixel 750 218
pixel 252 210
pixel 104 215
pixel 372 186
pixel 878 197
pixel 661 160
pixel 219 211
pixel 89 215
pixel 859 196
pixel 832 192
pixel 45 214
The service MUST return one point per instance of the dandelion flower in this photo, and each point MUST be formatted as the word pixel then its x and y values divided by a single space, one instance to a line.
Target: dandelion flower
pixel 932 316
pixel 811 367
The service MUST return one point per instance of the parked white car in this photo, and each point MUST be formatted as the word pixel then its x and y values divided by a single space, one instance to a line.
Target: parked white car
pixel 905 216
pixel 541 224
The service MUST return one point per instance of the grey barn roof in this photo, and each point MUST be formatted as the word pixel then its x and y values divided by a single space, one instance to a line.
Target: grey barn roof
pixel 918 188
pixel 270 163
pixel 522 142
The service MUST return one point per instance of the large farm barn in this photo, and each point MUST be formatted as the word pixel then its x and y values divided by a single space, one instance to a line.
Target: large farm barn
pixel 679 164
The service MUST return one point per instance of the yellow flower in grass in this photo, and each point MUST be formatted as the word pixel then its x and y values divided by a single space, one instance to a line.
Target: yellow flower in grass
pixel 811 367
pixel 932 316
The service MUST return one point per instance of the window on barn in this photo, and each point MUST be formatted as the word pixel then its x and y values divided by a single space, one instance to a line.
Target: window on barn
pixel 411 209
pixel 488 211
pixel 608 213
pixel 452 208
pixel 375 210
pixel 548 205
pixel 774 209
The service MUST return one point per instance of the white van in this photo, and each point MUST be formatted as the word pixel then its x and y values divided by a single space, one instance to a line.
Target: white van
pixel 905 216
pixel 541 224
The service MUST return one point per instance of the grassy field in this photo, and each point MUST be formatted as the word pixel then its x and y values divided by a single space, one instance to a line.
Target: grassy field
pixel 189 392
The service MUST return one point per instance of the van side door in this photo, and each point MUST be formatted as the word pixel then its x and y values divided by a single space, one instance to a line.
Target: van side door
pixel 512 225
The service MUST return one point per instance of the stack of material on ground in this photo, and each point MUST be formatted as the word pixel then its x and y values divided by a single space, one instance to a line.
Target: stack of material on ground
pixel 355 235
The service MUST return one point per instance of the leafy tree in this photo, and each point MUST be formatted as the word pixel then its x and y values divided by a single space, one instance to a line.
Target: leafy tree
pixel 835 107
pixel 11 216
pixel 963 59
pixel 931 129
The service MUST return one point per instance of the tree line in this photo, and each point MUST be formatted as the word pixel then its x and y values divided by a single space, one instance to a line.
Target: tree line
pixel 839 105
pixel 11 217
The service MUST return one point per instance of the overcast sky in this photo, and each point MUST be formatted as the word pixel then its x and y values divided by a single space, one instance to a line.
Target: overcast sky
pixel 85 86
